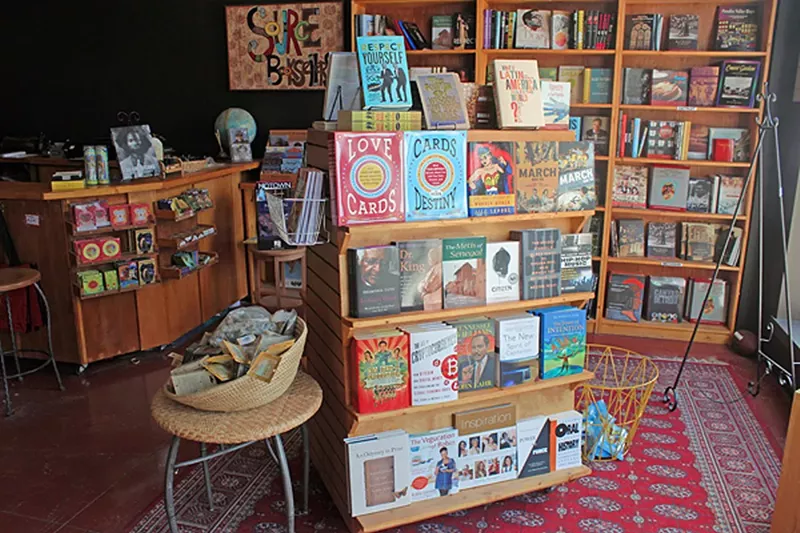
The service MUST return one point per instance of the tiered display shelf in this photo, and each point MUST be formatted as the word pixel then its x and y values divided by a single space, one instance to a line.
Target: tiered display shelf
pixel 331 329
pixel 421 11
pixel 171 226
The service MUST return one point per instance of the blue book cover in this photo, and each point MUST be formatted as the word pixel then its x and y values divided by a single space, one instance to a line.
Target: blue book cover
pixel 384 72
pixel 436 174
pixel 563 334
pixel 600 86
pixel 575 125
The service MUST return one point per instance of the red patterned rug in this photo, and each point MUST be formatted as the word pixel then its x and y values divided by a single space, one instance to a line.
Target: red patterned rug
pixel 708 467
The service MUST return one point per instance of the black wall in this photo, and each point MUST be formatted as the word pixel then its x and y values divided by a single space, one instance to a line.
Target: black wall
pixel 69 66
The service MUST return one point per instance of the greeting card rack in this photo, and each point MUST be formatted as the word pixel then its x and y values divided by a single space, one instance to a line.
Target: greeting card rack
pixel 328 349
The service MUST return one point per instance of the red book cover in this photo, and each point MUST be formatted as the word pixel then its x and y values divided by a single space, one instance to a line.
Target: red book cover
pixel 369 178
pixel 381 372
pixel 622 138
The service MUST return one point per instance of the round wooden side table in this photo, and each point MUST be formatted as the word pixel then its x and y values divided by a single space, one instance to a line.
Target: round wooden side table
pixel 280 294
pixel 239 429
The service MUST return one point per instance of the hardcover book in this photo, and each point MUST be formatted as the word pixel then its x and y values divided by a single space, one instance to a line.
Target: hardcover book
pixel 741 142
pixel 517 340
pixel 664 299
pixel 730 188
pixel 433 463
pixel 443 101
pixel 487 444
pixel 555 99
pixel 630 187
pixel 576 262
pixel 716 308
pixel 703 83
pixel 368 178
pixel 698 142
pixel 374 281
pixel 597 131
pixel 636 89
pixel 537 176
pixel 548 74
pixel 384 72
pixel 502 272
pixel 381 371
pixel 631 237
pixel 683 32
pixel 464 31
pixel 533 446
pixel 566 432
pixel 490 181
pixel 540 252
pixel 532 28
pixel 477 360
pixel 575 124
pixel 737 28
pixel 464 272
pixel 624 298
pixel 518 93
pixel 597 83
pixel 576 190
pixel 436 175
pixel 670 87
pixel 739 83
pixel 574 76
pixel 699 198
pixel 378 473
pixel 563 342
pixel 661 139
pixel 701 241
pixel 669 187
pixel 434 363
pixel 441 32
pixel 641 31
pixel 560 30
pixel 420 275
pixel 662 238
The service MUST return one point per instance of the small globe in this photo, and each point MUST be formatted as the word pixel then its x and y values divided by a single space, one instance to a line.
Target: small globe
pixel 234 117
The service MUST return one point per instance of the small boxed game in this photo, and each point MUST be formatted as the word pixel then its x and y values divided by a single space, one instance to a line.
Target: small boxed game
pixel 144 241
pixel 83 217
pixel 147 271
pixel 110 247
pixel 88 250
pixel 128 274
pixel 120 215
pixel 91 282
pixel 101 219
pixel 111 280
pixel 140 214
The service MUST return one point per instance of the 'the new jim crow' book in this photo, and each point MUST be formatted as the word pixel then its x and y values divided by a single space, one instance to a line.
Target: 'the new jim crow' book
pixel 384 72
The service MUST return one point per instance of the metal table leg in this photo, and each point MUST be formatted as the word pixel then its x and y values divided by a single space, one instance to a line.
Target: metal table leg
pixel 287 483
pixel 306 466
pixel 49 334
pixel 207 476
pixel 169 484
pixel 13 335
pixel 7 396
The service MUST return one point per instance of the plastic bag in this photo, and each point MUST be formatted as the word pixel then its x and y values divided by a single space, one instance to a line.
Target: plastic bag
pixel 252 320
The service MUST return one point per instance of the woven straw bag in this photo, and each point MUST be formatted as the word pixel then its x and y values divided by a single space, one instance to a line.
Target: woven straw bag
pixel 248 392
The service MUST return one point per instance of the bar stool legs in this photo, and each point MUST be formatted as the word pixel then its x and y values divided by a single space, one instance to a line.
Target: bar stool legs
pixel 207 476
pixel 288 492
pixel 6 395
pixel 306 466
pixel 49 334
pixel 13 337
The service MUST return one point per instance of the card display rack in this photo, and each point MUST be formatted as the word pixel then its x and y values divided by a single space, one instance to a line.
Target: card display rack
pixel 171 233
pixel 187 239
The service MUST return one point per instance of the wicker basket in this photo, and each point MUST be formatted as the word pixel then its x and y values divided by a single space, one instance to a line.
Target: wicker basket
pixel 248 392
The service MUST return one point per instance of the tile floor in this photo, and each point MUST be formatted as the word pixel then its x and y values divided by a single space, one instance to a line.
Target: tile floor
pixel 91 459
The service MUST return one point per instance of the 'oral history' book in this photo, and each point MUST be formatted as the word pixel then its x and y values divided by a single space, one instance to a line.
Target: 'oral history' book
pixel 379 476
pixel 443 101
pixel 464 271
pixel 563 334
pixel 576 262
pixel 517 340
pixel 385 82
pixel 477 360
pixel 436 184
pixel 434 363
pixel 420 275
pixel 433 464
pixel 566 435
pixel 576 186
pixel 540 257
pixel 368 178
pixel 374 279
pixel 537 176
pixel 490 179
pixel 381 371
pixel 502 272
pixel 518 93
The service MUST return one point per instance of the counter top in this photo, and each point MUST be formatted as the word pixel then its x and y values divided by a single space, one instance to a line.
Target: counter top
pixel 41 191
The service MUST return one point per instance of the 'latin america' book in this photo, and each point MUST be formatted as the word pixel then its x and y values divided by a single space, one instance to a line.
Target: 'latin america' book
pixel 384 72
pixel 563 342
pixel 436 175
pixel 369 185
pixel 490 181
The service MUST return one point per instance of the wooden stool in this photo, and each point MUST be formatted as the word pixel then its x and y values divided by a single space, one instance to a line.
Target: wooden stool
pixel 12 279
pixel 240 428
pixel 282 295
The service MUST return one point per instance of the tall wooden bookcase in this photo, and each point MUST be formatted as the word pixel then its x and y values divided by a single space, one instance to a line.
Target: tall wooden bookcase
pixel 421 11
pixel 331 329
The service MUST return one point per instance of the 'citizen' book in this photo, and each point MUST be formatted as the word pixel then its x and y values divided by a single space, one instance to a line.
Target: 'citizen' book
pixel 502 272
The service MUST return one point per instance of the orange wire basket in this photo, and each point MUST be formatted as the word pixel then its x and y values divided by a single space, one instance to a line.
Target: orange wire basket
pixel 624 380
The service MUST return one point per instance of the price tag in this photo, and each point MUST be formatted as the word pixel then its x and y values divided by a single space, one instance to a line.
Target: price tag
pixel 671 264
pixel 32 220
pixel 686 108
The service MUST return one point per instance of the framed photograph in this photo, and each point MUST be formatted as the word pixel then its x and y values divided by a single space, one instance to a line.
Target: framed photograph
pixel 135 152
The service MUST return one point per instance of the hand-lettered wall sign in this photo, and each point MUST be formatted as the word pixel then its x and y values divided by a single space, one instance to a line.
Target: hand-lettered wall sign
pixel 282 46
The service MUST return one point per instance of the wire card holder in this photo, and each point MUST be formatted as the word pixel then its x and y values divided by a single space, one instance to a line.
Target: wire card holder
pixel 299 221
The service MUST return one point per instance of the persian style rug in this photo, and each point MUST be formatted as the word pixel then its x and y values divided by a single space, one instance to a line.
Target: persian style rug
pixel 708 467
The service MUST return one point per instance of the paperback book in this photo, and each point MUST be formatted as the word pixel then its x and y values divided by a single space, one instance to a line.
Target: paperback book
pixel 487 444
pixel 741 142
pixel 502 272
pixel 532 29
pixel 464 272
pixel 739 83
pixel 540 251
pixel 381 371
pixel 662 239
pixel 636 88
pixel 683 32
pixel 597 85
pixel 490 181
pixel 436 175
pixel 517 340
pixel 630 187
pixel 537 176
pixel 597 130
pixel 563 342
pixel 374 281
pixel 703 86
pixel 631 237
pixel 576 191
pixel 737 28
pixel 378 472
pixel 576 262
pixel 518 93
pixel 433 464
pixel 574 76
pixel 664 299
pixel 670 87
pixel 698 142
pixel 443 101
pixel 477 360
pixel 560 30
pixel 641 31
pixel 420 275
pixel 661 139
pixel 534 453
pixel 384 72
pixel 716 308
pixel 566 433
pixel 434 363
pixel 555 102
pixel 730 188
pixel 669 187
pixel 699 199
pixel 441 32
pixel 700 241
pixel 624 297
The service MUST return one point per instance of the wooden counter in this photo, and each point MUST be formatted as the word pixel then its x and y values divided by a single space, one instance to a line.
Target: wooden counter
pixel 87 330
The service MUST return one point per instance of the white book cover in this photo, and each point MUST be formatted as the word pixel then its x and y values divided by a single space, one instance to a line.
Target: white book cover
pixel 433 464
pixel 502 272
pixel 730 187
pixel 566 429
pixel 434 364
pixel 533 28
pixel 378 474
pixel 487 457
pixel 518 93
pixel 517 346
pixel 533 446
pixel 556 101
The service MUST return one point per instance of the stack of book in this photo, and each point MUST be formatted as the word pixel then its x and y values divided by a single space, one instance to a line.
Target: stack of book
pixel 285 159
pixel 545 29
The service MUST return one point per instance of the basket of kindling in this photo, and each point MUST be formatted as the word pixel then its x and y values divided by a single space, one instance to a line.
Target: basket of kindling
pixel 241 381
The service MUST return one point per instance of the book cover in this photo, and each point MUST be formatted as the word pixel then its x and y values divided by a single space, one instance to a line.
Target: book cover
pixel 576 187
pixel 631 237
pixel 576 262
pixel 378 472
pixel 464 30
pixel 574 76
pixel 575 124
pixel 537 176
pixel 716 308
pixel 698 142
pixel 699 198
pixel 384 72
pixel 669 187
pixel 368 178
pixel 518 93
pixel 741 142
pixel 701 241
pixel 600 86
pixel 374 281
pixel 636 88
pixel 533 446
pixel 433 463
pixel 548 74
pixel 382 371
pixel 563 334
pixel 342 89
pixel 434 363
pixel 737 28
pixel 596 229
pixel 490 181
pixel 630 187
pixel 464 272
pixel 560 30
pixel 664 299
pixel 443 101
pixel 738 84
pixel 532 29
pixel 661 139
pixel 597 130
pixel 669 87
pixel 502 272
pixel 624 297
pixel 442 32
pixel 640 31
pixel 730 188
pixel 477 360
pixel 420 275
pixel 555 99
pixel 517 340
pixel 487 444
pixel 436 175
pixel 662 238
pixel 683 32
pixel 566 431
pixel 540 252
pixel 703 83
